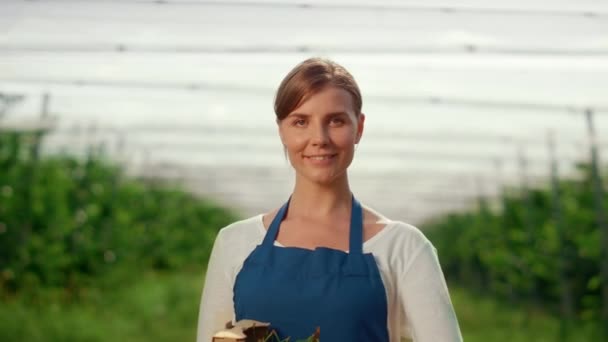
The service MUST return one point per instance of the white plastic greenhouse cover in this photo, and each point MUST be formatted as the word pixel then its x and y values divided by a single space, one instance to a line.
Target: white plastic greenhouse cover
pixel 452 90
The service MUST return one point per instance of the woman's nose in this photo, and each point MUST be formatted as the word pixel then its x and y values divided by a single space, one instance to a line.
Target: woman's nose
pixel 320 135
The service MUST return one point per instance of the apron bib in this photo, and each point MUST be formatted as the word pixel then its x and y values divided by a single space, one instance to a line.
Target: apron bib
pixel 297 290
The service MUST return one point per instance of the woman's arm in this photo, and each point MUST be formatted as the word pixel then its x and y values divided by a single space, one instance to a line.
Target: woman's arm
pixel 426 302
pixel 216 306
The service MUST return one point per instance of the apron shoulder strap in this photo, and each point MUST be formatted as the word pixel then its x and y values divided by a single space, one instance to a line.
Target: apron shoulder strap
pixel 356 228
pixel 273 230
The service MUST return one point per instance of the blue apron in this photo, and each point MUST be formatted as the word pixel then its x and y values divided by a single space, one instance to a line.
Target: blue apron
pixel 297 289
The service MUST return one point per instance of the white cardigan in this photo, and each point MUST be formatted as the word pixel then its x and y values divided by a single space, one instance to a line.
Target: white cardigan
pixel 419 305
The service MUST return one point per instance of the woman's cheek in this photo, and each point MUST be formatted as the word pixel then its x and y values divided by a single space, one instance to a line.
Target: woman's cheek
pixel 298 142
pixel 345 137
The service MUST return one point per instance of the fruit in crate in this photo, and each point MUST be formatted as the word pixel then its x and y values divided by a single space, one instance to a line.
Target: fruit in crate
pixel 245 330
pixel 229 335
pixel 248 330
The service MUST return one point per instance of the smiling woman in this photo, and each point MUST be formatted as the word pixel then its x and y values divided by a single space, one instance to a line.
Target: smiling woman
pixel 323 260
pixel 321 133
pixel 318 110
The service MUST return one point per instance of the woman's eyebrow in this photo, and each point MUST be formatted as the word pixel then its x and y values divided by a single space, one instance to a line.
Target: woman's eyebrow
pixel 336 113
pixel 304 115
pixel 300 115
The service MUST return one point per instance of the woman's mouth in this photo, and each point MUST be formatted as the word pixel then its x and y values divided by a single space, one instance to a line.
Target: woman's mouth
pixel 321 159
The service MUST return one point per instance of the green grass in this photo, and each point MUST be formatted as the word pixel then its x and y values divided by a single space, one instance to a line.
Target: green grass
pixel 158 307
pixel 164 307
pixel 486 319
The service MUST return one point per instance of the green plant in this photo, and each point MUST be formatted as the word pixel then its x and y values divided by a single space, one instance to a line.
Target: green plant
pixel 68 222
pixel 530 248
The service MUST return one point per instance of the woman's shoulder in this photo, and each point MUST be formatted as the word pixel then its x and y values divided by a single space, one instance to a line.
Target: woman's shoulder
pixel 395 227
pixel 398 235
pixel 246 229
pixel 398 245
pixel 397 231
pixel 408 230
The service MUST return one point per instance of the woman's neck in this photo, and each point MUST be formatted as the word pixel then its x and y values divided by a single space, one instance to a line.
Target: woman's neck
pixel 317 201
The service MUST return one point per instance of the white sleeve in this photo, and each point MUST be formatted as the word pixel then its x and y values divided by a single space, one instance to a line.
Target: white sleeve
pixel 425 299
pixel 216 306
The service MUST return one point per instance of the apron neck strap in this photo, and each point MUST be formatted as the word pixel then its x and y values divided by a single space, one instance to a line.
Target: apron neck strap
pixel 356 227
pixel 273 230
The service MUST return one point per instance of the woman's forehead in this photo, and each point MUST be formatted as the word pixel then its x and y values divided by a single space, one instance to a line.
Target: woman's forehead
pixel 330 100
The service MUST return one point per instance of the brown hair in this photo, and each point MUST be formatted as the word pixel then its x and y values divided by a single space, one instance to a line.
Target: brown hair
pixel 310 77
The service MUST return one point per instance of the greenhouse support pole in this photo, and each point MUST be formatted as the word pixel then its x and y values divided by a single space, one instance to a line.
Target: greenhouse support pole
pixel 566 302
pixel 528 218
pixel 598 191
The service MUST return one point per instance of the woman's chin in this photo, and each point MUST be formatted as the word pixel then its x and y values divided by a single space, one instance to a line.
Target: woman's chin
pixel 323 178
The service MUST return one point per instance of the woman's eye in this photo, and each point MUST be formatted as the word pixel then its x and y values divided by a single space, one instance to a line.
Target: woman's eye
pixel 337 121
pixel 299 122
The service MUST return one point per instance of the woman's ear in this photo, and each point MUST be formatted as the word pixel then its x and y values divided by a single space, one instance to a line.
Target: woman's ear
pixel 360 126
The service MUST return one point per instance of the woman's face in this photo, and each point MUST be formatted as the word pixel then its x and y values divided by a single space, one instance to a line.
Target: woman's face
pixel 320 135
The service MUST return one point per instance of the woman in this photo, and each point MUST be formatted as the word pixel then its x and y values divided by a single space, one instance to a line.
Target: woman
pixel 322 259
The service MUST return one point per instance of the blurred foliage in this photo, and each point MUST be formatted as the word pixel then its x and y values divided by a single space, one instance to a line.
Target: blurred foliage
pixel 518 251
pixel 157 306
pixel 163 306
pixel 66 223
pixel 483 318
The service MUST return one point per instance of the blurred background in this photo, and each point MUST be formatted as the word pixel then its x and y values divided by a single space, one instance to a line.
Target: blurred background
pixel 131 131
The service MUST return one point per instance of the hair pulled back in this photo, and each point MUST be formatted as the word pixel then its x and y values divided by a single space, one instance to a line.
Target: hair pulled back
pixel 308 78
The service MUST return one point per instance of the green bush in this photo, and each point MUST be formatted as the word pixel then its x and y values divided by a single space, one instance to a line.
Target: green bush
pixel 66 222
pixel 529 250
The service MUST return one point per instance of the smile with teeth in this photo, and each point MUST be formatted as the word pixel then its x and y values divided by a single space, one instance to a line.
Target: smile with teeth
pixel 321 157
